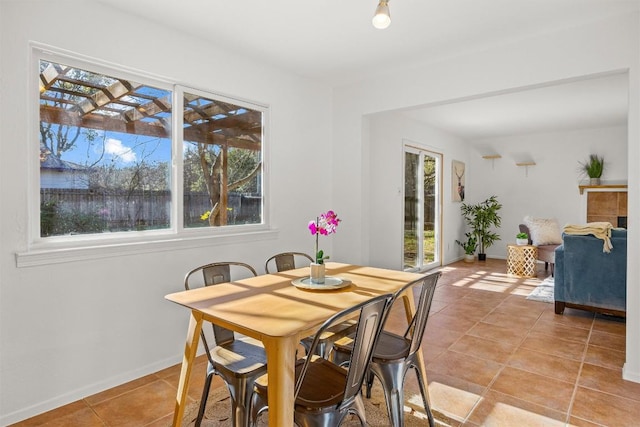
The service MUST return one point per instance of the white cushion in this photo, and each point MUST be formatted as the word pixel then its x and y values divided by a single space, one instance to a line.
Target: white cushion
pixel 544 231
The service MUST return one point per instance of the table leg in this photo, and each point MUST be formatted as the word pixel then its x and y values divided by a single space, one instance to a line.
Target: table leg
pixel 190 349
pixel 281 370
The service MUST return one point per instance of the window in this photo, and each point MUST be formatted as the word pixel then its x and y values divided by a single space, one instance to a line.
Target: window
pixel 109 159
pixel 222 166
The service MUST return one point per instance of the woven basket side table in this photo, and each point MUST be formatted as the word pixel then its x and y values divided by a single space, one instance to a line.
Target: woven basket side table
pixel 521 260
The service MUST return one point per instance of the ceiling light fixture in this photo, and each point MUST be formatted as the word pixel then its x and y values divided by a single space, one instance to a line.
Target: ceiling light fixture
pixel 382 18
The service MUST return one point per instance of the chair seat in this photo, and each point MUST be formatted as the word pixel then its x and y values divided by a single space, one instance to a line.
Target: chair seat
pixel 240 357
pixel 332 334
pixel 390 347
pixel 323 386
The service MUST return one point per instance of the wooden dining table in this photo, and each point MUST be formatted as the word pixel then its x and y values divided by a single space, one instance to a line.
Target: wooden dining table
pixel 270 309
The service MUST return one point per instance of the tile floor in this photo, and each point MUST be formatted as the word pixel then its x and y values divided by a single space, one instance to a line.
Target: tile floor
pixel 493 359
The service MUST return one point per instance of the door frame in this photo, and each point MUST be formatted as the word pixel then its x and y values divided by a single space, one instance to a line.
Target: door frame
pixel 422 149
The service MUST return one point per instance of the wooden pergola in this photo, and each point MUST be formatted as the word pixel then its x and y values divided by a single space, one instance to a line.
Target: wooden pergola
pixel 73 97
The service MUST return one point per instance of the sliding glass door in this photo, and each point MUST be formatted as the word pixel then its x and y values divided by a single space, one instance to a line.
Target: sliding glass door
pixel 422 207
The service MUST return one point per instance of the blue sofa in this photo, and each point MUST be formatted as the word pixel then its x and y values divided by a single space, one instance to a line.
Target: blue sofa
pixel 589 279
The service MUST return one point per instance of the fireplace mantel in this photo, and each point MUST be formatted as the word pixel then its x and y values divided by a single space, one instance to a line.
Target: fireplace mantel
pixel 603 187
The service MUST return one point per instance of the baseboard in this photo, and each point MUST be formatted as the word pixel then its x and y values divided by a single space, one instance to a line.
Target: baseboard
pixel 81 393
pixel 630 376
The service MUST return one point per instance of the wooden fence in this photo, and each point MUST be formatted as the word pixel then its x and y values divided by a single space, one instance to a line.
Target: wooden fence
pixel 141 210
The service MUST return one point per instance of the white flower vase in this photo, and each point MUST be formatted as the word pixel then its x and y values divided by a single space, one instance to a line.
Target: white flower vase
pixel 317 273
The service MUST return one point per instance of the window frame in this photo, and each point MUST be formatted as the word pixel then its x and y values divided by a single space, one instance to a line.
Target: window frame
pixel 53 249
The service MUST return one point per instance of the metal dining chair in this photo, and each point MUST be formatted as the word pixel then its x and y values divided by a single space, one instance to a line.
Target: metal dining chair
pixel 395 354
pixel 286 261
pixel 239 361
pixel 326 393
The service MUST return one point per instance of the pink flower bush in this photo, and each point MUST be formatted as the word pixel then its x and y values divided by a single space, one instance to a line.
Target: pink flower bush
pixel 325 224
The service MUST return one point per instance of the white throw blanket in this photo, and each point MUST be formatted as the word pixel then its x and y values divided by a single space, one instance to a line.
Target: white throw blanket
pixel 601 230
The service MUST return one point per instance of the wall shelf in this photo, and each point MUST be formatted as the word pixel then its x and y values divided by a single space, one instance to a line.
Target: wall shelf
pixel 526 166
pixel 492 157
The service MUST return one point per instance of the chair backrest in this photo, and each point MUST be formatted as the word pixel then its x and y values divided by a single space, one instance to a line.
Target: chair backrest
pixel 213 274
pixel 285 261
pixel 370 321
pixel 524 229
pixel 418 323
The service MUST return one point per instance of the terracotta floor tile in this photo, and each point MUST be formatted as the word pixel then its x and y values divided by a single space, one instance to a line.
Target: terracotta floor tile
pixel 508 335
pixel 140 406
pixel 605 409
pixel 465 367
pixel 579 422
pixel 452 396
pixel 577 318
pixel 561 331
pixel 466 310
pixel 486 298
pixel 66 412
pixel 610 341
pixel 544 364
pixel 508 321
pixel 605 357
pixel 484 349
pixel 440 335
pixel 84 417
pixel 454 323
pixel 516 311
pixel 608 381
pixel 121 389
pixel 610 324
pixel 554 346
pixel 534 388
pixel 498 409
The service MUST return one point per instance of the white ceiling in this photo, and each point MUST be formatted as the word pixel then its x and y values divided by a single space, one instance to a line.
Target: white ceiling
pixel 587 103
pixel 333 41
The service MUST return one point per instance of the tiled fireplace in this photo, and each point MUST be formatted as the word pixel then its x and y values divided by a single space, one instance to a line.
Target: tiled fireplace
pixel 609 206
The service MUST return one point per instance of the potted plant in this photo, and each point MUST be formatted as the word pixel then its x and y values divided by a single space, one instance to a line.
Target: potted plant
pixel 593 168
pixel 522 239
pixel 480 218
pixel 469 247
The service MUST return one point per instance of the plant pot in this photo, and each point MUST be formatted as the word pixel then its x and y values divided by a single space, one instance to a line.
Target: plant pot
pixel 482 257
pixel 317 273
pixel 469 258
pixel 522 242
pixel 594 181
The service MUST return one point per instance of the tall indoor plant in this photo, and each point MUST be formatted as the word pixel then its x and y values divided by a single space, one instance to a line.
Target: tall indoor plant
pixel 480 218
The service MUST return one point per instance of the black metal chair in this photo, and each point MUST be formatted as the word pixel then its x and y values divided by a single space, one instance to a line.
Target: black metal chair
pixel 326 393
pixel 395 354
pixel 238 361
pixel 286 261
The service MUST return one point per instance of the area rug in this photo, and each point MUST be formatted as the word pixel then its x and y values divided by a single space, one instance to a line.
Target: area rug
pixel 543 292
pixel 217 413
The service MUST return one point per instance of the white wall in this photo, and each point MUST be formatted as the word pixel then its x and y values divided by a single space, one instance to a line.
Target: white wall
pixel 607 46
pixel 550 188
pixel 72 329
pixel 388 133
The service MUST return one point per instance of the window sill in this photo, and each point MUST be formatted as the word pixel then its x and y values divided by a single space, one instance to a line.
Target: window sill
pixel 56 255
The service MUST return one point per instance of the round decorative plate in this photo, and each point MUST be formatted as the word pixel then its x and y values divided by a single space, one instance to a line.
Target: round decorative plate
pixel 330 283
